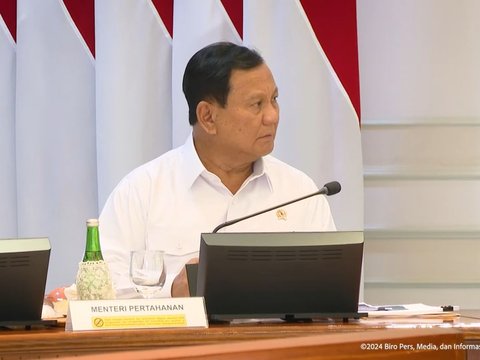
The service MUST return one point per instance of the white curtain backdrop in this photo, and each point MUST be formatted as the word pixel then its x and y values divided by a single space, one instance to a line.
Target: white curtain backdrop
pixel 74 123
pixel 55 133
pixel 8 192
pixel 133 88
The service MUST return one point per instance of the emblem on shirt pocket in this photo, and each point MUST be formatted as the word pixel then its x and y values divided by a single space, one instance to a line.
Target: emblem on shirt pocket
pixel 281 214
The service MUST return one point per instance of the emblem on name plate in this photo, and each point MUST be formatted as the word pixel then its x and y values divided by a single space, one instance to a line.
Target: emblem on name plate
pixel 281 214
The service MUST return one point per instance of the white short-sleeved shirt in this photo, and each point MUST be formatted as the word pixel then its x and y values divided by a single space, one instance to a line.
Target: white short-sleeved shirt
pixel 168 202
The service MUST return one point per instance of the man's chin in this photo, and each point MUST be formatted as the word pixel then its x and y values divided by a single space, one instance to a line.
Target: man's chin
pixel 267 150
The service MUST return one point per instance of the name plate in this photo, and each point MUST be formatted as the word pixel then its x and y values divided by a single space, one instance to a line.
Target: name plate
pixel 136 314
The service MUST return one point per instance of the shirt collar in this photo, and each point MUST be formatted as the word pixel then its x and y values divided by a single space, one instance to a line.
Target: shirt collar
pixel 193 166
pixel 260 170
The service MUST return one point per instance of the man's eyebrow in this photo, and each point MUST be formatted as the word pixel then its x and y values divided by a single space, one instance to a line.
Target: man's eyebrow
pixel 259 93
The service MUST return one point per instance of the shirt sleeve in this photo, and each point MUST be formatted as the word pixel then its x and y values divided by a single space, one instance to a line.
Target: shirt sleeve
pixel 122 229
pixel 322 215
pixel 321 218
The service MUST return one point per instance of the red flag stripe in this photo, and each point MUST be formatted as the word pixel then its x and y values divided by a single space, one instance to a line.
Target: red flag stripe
pixel 335 26
pixel 8 11
pixel 165 10
pixel 234 9
pixel 83 14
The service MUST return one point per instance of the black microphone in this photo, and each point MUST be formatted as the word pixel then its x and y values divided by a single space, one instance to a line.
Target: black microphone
pixel 328 189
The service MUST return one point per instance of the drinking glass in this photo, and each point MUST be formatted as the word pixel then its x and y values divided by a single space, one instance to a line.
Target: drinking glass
pixel 147 272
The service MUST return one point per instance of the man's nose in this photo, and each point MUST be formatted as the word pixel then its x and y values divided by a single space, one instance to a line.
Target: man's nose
pixel 271 114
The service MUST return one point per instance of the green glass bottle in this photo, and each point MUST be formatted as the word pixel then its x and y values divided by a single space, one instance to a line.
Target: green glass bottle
pixel 93 252
pixel 93 277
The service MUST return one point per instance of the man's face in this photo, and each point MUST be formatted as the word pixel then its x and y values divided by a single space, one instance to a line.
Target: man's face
pixel 247 124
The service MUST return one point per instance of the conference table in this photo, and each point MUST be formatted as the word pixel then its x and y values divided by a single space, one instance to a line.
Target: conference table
pixel 437 337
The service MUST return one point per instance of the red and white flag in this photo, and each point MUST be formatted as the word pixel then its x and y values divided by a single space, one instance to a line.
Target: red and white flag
pixel 8 195
pixel 55 127
pixel 311 47
pixel 133 86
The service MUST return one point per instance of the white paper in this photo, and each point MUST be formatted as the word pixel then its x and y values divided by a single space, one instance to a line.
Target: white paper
pixel 404 310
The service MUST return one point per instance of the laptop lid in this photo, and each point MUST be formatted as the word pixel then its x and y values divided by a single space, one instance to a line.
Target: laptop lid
pixel 292 275
pixel 23 276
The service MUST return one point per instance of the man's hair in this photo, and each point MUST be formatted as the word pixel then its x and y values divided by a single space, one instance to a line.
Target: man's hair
pixel 207 74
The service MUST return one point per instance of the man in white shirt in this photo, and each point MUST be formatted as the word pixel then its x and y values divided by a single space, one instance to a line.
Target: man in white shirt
pixel 222 172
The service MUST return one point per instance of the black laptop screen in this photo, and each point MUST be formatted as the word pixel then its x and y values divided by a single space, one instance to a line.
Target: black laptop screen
pixel 23 276
pixel 286 275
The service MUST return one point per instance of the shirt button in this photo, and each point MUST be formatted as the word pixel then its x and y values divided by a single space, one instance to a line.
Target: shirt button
pixel 179 246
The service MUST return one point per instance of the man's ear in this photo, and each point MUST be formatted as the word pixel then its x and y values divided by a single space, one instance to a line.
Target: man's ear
pixel 206 114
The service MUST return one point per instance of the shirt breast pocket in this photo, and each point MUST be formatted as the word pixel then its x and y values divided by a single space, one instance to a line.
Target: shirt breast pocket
pixel 173 240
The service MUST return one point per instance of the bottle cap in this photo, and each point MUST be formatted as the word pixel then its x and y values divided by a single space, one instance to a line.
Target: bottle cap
pixel 92 222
